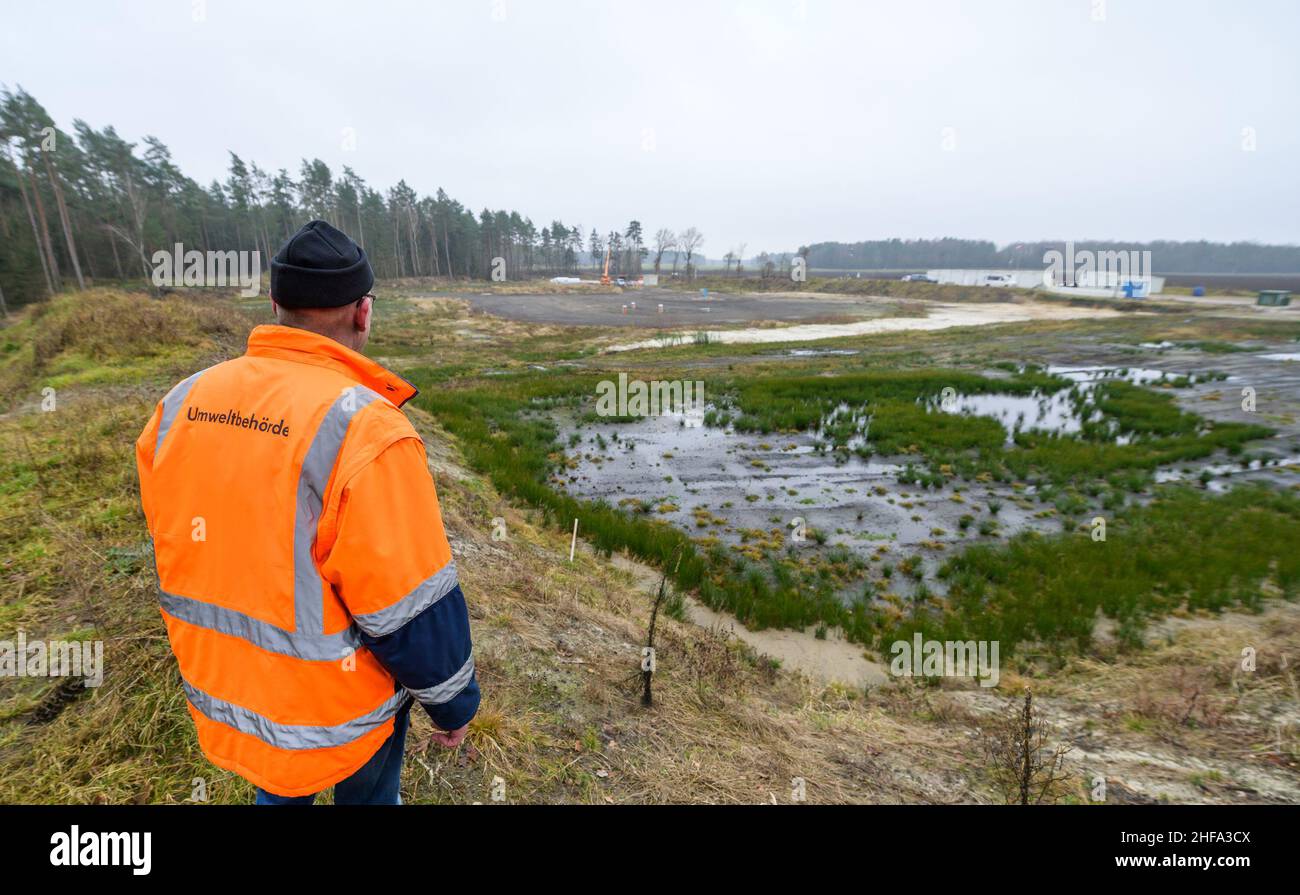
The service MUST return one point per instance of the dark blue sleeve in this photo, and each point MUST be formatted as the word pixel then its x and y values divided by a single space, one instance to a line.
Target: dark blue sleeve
pixel 432 656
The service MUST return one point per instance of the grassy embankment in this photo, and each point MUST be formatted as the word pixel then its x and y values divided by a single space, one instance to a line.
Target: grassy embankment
pixel 76 559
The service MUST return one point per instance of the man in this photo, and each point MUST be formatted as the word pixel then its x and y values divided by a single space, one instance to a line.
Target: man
pixel 306 581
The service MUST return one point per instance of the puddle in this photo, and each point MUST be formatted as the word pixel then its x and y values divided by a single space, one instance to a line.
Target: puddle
pixel 821 352
pixel 1066 411
pixel 1063 412
pixel 1217 476
pixel 1060 412
pixel 846 427
pixel 737 488
pixel 1088 376
pixel 1293 356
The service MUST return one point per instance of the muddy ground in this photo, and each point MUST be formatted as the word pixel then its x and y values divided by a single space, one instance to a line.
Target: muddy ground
pixel 602 307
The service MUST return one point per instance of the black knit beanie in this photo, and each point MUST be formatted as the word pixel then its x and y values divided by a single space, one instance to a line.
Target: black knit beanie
pixel 320 267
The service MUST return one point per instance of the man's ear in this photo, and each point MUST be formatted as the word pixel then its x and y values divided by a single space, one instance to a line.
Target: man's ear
pixel 275 310
pixel 361 317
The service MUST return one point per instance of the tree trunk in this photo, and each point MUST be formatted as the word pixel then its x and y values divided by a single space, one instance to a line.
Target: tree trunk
pixel 411 216
pixel 89 258
pixel 117 259
pixel 63 219
pixel 397 242
pixel 433 244
pixel 36 233
pixel 137 212
pixel 55 273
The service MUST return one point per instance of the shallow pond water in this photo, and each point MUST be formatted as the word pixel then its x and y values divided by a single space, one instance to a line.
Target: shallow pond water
pixel 1038 412
pixel 745 488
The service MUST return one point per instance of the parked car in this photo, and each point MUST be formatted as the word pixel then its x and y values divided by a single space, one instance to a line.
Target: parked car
pixel 919 278
pixel 1002 280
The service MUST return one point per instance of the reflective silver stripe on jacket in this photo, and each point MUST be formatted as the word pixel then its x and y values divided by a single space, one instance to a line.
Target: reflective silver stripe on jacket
pixel 312 647
pixel 292 736
pixel 172 406
pixel 391 618
pixel 308 639
pixel 317 465
pixel 448 689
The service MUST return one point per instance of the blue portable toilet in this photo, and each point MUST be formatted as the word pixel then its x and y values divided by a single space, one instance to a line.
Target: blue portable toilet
pixel 1199 292
pixel 1137 288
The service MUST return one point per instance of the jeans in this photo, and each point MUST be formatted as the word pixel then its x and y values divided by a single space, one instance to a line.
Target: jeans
pixel 378 782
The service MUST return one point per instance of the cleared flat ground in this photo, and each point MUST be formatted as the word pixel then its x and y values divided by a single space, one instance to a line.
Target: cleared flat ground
pixel 606 308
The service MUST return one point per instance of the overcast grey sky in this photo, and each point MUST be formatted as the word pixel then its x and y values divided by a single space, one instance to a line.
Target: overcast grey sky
pixel 766 122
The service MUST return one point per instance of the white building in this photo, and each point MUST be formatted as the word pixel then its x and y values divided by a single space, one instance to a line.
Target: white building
pixel 1088 283
pixel 1025 279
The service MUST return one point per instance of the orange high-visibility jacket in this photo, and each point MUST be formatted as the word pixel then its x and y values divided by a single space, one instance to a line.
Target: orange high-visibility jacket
pixel 305 578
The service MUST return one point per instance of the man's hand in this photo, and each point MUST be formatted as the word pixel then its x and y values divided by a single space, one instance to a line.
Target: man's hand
pixel 452 739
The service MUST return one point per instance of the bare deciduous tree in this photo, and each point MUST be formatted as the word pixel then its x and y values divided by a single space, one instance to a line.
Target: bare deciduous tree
pixel 665 241
pixel 690 242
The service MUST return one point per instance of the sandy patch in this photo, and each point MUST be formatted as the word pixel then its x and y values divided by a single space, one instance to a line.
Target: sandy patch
pixel 941 316
pixel 831 660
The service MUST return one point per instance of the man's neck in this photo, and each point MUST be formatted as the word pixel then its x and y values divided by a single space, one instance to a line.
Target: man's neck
pixel 346 339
